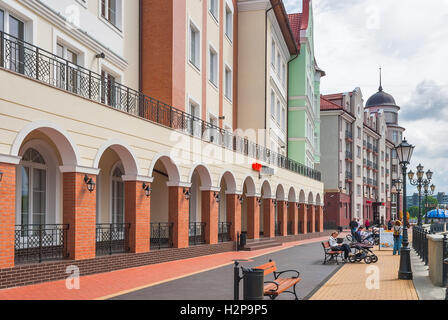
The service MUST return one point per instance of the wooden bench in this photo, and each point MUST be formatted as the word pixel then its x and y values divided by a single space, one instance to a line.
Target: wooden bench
pixel 330 253
pixel 273 288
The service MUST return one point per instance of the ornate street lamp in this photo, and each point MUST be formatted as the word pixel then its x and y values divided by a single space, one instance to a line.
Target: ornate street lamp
pixel 397 184
pixel 404 152
pixel 420 182
pixel 89 183
pixel 428 192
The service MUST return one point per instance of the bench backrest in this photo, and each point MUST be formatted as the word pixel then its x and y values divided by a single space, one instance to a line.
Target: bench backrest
pixel 268 267
pixel 326 244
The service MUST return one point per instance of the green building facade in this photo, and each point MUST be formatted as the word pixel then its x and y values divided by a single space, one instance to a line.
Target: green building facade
pixel 304 92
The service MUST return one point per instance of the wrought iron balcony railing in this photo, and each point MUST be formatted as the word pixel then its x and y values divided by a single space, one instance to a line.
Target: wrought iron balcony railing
pixel 40 242
pixel 224 231
pixel 196 233
pixel 348 135
pixel 36 63
pixel 161 235
pixel 348 155
pixel 112 238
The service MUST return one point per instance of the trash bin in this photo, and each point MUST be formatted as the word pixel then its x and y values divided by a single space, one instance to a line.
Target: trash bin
pixel 340 229
pixel 253 284
pixel 243 239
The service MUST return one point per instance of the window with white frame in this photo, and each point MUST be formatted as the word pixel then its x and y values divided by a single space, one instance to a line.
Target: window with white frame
pixel 72 83
pixel 117 195
pixel 213 67
pixel 284 74
pixel 278 112
pixel 195 46
pixel 194 127
pixel 109 88
pixel 283 119
pixel 214 8
pixel 213 134
pixel 279 59
pixel 228 82
pixel 111 11
pixel 273 104
pixel 16 28
pixel 229 23
pixel 273 50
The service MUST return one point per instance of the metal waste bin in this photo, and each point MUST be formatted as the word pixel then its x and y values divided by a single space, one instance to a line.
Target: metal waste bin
pixel 253 284
pixel 243 239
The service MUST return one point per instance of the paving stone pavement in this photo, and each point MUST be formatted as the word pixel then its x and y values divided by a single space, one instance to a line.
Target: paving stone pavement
pixel 357 281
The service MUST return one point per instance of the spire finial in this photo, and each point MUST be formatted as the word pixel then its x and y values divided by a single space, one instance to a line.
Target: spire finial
pixel 381 87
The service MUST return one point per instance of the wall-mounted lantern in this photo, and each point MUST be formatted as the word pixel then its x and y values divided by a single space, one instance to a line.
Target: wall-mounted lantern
pixel 89 183
pixel 147 189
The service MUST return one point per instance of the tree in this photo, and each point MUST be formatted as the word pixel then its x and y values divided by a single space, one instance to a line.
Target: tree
pixel 413 211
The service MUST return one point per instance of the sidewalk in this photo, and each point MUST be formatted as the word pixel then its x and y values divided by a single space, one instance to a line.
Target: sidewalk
pixel 425 289
pixel 376 281
pixel 112 284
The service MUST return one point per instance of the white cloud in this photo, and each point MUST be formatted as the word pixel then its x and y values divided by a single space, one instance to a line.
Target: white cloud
pixel 408 39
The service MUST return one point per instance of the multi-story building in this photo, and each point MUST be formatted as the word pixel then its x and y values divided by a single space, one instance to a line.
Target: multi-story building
pixel 91 166
pixel 304 92
pixel 355 160
pixel 442 198
pixel 385 103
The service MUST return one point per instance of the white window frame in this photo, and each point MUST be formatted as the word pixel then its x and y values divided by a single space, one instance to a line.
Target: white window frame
pixel 195 126
pixel 228 10
pixel 117 28
pixel 195 64
pixel 213 51
pixel 228 87
pixel 215 15
pixel 112 180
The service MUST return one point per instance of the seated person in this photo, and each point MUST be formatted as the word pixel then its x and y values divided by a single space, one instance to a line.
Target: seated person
pixel 359 234
pixel 339 247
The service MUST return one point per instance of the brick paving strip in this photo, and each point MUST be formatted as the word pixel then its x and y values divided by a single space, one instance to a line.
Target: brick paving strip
pixel 115 283
pixel 352 280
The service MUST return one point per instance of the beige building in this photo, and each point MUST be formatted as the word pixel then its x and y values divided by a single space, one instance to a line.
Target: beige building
pixel 91 166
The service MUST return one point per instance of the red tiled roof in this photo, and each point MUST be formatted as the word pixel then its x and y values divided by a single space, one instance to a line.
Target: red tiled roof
pixel 328 105
pixel 299 21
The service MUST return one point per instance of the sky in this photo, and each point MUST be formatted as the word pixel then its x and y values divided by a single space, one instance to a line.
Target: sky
pixel 409 40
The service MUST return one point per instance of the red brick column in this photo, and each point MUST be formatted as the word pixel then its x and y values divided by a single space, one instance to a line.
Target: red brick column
pixel 293 217
pixel 7 214
pixel 268 218
pixel 282 217
pixel 303 218
pixel 233 207
pixel 178 211
pixel 209 215
pixel 319 218
pixel 79 212
pixel 253 218
pixel 312 218
pixel 137 214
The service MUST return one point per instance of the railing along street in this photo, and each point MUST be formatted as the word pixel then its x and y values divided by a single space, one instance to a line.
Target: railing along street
pixel 36 63
pixel 224 231
pixel 40 242
pixel 196 233
pixel 161 235
pixel 112 238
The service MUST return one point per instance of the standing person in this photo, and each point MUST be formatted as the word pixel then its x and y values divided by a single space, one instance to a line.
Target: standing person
pixel 398 236
pixel 353 226
pixel 358 224
pixel 339 247
pixel 367 224
pixel 389 225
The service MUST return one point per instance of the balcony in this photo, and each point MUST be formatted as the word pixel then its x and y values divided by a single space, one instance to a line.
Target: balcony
pixel 348 156
pixel 369 147
pixel 375 149
pixel 348 175
pixel 349 135
pixel 369 164
pixel 38 64
pixel 369 181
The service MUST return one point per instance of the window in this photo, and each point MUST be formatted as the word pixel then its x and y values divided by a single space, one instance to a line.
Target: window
pixel 195 46
pixel 111 11
pixel 273 104
pixel 214 8
pixel 273 53
pixel 228 83
pixel 278 112
pixel 108 92
pixel 34 188
pixel 17 53
pixel 395 136
pixel 283 119
pixel 2 20
pixel 73 77
pixel 194 123
pixel 358 171
pixel 117 196
pixel 278 62
pixel 213 131
pixel 358 151
pixel 213 67
pixel 229 23
pixel 359 133
pixel 284 74
pixel 358 190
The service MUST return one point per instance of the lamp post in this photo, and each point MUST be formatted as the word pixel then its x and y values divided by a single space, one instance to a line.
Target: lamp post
pixel 427 192
pixel 404 152
pixel 398 185
pixel 420 182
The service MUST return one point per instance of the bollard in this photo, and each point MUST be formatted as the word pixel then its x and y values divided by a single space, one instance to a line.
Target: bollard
pixel 243 240
pixel 253 286
pixel 236 281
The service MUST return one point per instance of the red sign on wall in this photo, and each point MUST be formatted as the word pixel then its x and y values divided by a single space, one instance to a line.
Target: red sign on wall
pixel 257 167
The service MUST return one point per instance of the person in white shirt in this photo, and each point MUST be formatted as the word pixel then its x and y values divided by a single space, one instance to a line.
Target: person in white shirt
pixel 335 246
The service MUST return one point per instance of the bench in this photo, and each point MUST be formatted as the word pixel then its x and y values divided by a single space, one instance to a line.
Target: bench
pixel 273 289
pixel 330 253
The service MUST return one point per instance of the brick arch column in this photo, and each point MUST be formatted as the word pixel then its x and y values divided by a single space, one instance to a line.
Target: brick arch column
pixel 137 214
pixel 293 217
pixel 268 218
pixel 253 217
pixel 282 217
pixel 319 211
pixel 209 214
pixel 233 211
pixel 311 218
pixel 7 211
pixel 178 213
pixel 303 218
pixel 79 212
